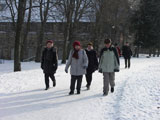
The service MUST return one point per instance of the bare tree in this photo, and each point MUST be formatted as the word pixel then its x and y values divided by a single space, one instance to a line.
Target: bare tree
pixel 71 11
pixel 12 5
pixel 20 20
pixel 44 8
pixel 26 30
pixel 111 20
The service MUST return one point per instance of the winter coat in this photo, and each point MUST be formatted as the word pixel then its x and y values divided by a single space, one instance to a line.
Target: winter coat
pixel 119 51
pixel 92 61
pixel 77 66
pixel 49 61
pixel 126 52
pixel 109 60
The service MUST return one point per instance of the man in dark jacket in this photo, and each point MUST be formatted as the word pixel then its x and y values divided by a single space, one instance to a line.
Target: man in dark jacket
pixel 92 63
pixel 127 53
pixel 49 63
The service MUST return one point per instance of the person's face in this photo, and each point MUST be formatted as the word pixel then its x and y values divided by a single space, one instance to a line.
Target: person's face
pixel 49 45
pixel 108 45
pixel 127 44
pixel 77 47
pixel 89 47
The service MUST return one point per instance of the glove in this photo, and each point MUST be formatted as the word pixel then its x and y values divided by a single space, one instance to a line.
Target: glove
pixel 84 67
pixel 116 70
pixel 41 67
pixel 100 70
pixel 55 68
pixel 66 70
pixel 95 68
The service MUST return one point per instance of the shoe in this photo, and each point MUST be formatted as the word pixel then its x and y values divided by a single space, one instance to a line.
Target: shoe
pixel 88 87
pixel 105 94
pixel 54 83
pixel 112 89
pixel 71 93
pixel 78 92
pixel 47 88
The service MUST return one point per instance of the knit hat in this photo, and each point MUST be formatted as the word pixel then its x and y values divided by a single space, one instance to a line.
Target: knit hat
pixel 107 41
pixel 49 41
pixel 76 43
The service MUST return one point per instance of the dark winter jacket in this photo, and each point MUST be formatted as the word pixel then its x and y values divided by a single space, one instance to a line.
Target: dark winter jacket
pixel 49 61
pixel 92 61
pixel 126 52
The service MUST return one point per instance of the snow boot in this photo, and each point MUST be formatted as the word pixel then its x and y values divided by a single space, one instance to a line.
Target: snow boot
pixel 105 94
pixel 71 93
pixel 78 92
pixel 88 87
pixel 112 89
pixel 47 88
pixel 54 83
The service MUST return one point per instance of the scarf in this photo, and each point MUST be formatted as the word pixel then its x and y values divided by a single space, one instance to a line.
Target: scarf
pixel 75 54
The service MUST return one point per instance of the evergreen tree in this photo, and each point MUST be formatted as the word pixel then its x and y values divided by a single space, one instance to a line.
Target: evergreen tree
pixel 146 24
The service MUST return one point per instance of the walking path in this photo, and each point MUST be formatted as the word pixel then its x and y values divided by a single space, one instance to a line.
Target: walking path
pixel 136 96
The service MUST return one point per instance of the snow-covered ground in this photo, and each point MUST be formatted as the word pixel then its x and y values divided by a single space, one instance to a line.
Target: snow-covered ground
pixel 136 96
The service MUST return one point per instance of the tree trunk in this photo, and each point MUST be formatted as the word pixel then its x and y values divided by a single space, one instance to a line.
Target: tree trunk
pixel 66 40
pixel 43 16
pixel 17 49
pixel 137 52
pixel 69 14
pixel 24 43
pixel 154 52
pixel 158 52
pixel 150 52
pixel 39 44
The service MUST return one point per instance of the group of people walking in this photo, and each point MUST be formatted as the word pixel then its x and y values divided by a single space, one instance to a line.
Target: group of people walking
pixel 83 62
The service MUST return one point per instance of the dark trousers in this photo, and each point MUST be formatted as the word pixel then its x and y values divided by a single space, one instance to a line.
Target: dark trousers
pixel 127 62
pixel 73 82
pixel 89 79
pixel 47 76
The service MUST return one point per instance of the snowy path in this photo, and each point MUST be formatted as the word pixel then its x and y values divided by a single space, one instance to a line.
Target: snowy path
pixel 136 96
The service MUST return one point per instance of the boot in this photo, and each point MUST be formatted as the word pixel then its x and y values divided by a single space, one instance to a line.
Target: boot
pixel 47 88
pixel 112 89
pixel 88 87
pixel 71 93
pixel 105 94
pixel 78 92
pixel 54 83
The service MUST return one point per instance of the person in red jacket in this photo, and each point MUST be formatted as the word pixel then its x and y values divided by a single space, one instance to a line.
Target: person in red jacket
pixel 118 49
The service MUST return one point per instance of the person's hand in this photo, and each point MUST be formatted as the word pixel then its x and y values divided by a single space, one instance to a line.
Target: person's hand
pixel 100 70
pixel 41 67
pixel 95 68
pixel 66 70
pixel 84 67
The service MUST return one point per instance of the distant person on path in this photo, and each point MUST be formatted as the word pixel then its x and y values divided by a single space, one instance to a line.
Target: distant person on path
pixel 109 64
pixel 127 53
pixel 78 61
pixel 49 63
pixel 92 63
pixel 118 49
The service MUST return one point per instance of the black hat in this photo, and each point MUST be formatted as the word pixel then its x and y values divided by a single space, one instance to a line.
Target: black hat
pixel 107 41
